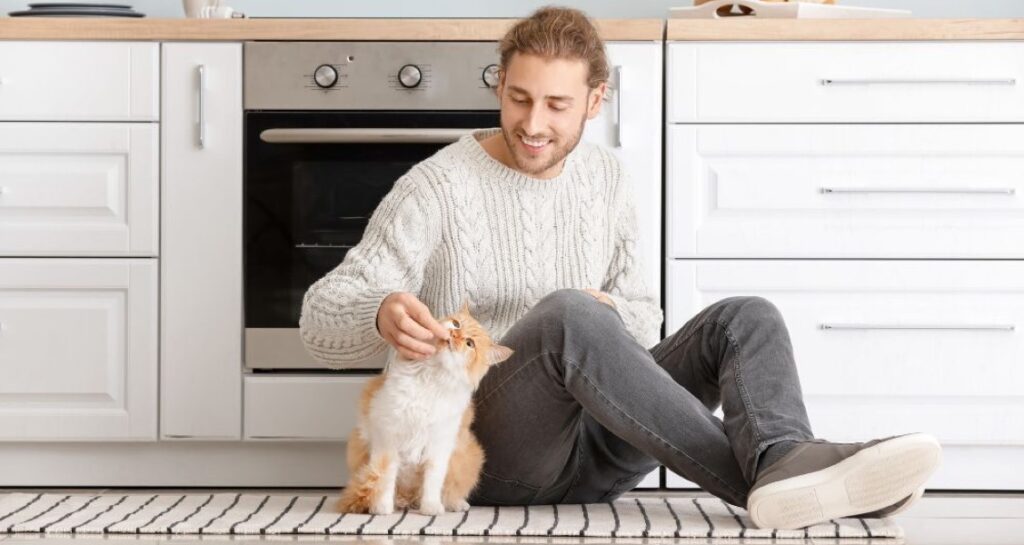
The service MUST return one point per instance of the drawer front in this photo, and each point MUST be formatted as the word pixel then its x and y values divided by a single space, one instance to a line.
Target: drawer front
pixel 900 191
pixel 78 349
pixel 851 81
pixel 314 407
pixel 887 347
pixel 79 189
pixel 79 81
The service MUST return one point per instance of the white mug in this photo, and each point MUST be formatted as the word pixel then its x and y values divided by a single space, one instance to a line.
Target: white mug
pixel 217 12
pixel 194 8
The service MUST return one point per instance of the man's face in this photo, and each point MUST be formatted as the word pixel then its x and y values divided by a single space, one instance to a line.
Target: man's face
pixel 544 105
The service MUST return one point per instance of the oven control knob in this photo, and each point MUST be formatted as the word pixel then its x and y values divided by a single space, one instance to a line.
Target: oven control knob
pixel 325 76
pixel 410 76
pixel 490 76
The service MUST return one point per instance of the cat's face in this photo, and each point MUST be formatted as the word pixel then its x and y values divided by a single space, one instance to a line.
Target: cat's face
pixel 472 346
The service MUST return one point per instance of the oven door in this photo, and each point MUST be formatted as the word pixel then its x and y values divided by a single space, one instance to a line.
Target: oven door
pixel 312 180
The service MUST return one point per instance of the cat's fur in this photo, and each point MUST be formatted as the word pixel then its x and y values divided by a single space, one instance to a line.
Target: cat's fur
pixel 413 446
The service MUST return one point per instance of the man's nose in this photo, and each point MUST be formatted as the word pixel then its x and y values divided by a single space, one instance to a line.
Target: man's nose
pixel 535 121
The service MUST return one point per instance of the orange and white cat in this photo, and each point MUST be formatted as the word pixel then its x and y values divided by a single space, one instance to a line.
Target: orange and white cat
pixel 412 446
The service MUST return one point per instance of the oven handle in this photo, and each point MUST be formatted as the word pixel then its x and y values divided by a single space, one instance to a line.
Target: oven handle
pixel 363 136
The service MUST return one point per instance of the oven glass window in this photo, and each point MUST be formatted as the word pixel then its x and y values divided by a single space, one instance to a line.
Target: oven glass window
pixel 307 203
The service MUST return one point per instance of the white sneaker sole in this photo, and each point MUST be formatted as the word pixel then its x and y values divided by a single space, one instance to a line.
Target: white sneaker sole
pixel 871 479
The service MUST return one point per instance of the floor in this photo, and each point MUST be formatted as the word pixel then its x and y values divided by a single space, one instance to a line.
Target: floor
pixel 936 519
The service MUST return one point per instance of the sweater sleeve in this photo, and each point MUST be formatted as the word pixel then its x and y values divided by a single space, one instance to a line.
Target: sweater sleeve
pixel 625 281
pixel 338 323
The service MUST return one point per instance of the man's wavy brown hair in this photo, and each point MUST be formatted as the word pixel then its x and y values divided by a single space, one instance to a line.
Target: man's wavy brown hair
pixel 558 33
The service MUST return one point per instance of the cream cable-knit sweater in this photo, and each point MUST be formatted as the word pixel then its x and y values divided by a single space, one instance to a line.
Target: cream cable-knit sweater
pixel 461 224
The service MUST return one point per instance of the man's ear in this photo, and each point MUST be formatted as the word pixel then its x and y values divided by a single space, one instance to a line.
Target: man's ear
pixel 595 98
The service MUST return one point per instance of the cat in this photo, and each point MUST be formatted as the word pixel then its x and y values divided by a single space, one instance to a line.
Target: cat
pixel 412 446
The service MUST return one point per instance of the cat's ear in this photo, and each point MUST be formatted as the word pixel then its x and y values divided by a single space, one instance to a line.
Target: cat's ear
pixel 498 354
pixel 464 309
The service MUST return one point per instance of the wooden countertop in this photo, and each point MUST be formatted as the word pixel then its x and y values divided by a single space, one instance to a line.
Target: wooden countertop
pixel 732 29
pixel 24 28
pixel 742 29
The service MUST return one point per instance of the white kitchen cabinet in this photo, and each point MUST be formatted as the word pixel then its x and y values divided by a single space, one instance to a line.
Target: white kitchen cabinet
pixel 630 126
pixel 782 82
pixel 829 190
pixel 78 349
pixel 79 81
pixel 871 191
pixel 201 242
pixel 79 189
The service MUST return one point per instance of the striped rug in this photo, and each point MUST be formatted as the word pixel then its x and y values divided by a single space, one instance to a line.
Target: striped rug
pixel 236 513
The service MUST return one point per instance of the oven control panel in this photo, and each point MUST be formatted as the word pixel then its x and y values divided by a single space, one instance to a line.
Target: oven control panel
pixel 370 75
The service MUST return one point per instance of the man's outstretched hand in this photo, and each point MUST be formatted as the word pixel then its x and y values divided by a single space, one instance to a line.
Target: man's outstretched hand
pixel 406 324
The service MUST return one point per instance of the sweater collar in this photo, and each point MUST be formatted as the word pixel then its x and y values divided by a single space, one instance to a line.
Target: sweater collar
pixel 499 171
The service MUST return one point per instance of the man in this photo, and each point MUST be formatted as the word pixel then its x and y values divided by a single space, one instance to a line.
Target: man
pixel 538 230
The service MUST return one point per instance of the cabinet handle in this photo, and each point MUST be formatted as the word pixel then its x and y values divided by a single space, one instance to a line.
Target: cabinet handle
pixel 617 71
pixel 971 327
pixel 201 82
pixel 990 190
pixel 1004 81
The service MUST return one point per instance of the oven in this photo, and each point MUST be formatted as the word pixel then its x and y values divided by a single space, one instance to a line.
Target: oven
pixel 329 127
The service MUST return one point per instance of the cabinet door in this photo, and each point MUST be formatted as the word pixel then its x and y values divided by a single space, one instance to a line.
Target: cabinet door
pixel 78 189
pixel 886 347
pixel 79 81
pixel 201 241
pixel 630 125
pixel 845 191
pixel 78 349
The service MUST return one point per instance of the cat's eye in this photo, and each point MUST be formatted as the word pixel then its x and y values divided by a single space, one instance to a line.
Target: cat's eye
pixel 456 324
pixel 469 343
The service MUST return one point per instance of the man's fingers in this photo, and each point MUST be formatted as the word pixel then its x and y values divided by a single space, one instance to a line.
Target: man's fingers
pixel 414 345
pixel 415 330
pixel 423 316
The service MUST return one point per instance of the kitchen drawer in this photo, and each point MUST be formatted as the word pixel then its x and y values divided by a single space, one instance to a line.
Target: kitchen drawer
pixel 845 81
pixel 78 349
pixel 79 189
pixel 289 407
pixel 820 190
pixel 886 347
pixel 79 81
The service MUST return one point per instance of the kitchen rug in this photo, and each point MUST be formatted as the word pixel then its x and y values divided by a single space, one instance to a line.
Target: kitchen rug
pixel 236 513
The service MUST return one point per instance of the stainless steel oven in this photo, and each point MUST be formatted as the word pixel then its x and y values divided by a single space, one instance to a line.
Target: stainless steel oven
pixel 329 127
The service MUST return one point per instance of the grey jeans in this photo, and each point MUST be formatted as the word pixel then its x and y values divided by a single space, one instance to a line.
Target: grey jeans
pixel 582 412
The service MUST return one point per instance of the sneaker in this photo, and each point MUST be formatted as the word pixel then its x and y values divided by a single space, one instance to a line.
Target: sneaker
pixel 895 508
pixel 818 481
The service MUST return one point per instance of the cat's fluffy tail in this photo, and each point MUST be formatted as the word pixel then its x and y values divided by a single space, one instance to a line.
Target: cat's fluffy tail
pixel 361 491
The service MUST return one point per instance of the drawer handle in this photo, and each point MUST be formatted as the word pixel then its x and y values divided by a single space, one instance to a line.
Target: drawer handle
pixel 1005 81
pixel 201 83
pixel 990 190
pixel 971 327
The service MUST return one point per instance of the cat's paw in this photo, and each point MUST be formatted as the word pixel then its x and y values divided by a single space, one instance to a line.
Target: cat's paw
pixel 431 508
pixel 382 508
pixel 460 506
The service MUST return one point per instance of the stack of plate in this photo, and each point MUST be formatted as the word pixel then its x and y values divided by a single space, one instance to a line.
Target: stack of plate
pixel 50 9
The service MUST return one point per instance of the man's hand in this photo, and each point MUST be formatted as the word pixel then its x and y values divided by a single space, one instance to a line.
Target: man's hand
pixel 600 296
pixel 406 324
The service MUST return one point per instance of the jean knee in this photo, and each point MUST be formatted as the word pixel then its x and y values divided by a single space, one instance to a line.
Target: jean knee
pixel 753 307
pixel 575 314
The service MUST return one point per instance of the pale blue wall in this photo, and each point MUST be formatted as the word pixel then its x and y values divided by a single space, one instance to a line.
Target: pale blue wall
pixel 519 8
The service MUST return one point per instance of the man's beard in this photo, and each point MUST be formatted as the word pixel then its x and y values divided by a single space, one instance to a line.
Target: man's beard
pixel 560 148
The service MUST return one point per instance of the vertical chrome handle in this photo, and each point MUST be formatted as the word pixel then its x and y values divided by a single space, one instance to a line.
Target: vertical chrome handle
pixel 201 82
pixel 617 72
